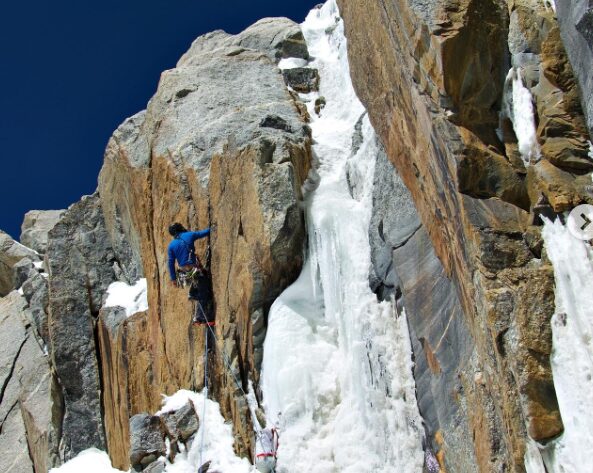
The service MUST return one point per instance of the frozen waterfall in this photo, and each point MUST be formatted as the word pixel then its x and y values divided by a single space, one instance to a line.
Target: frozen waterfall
pixel 523 118
pixel 572 353
pixel 337 370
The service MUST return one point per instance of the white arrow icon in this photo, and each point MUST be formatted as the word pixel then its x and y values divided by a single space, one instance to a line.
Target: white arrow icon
pixel 580 222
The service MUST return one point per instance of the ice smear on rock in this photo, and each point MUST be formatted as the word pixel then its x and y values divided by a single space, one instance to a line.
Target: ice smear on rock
pixel 132 298
pixel 337 372
pixel 572 353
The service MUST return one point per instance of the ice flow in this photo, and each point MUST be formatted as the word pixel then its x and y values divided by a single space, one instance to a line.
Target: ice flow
pixel 337 370
pixel 572 349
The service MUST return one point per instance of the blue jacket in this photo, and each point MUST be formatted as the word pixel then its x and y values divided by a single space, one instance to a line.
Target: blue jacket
pixel 182 250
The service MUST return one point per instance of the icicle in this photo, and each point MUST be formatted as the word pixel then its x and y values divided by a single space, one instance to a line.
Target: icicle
pixel 524 120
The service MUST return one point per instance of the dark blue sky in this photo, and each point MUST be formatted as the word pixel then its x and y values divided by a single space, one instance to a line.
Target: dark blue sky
pixel 72 71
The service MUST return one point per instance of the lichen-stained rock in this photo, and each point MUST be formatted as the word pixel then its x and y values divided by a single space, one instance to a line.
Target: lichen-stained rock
pixel 432 76
pixel 11 252
pixel 223 143
pixel 36 225
pixel 576 25
pixel 81 266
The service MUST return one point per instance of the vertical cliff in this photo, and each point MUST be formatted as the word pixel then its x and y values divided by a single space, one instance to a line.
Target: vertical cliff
pixel 434 79
pixel 222 144
pixel 576 25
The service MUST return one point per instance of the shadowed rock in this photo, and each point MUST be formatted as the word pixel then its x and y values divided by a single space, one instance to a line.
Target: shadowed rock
pixel 576 25
pixel 80 262
pixel 302 79
pixel 147 440
pixel 181 424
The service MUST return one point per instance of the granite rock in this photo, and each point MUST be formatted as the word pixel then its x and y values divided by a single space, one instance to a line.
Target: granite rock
pixel 147 440
pixel 222 143
pixel 36 226
pixel 11 252
pixel 576 25
pixel 30 412
pixel 433 76
pixel 80 260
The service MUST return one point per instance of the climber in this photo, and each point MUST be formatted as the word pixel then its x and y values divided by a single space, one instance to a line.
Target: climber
pixel 189 267
pixel 266 445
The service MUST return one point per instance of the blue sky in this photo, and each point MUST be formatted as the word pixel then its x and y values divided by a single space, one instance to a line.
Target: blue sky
pixel 71 72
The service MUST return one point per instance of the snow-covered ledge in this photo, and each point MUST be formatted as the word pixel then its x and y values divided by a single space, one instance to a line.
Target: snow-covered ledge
pixel 132 298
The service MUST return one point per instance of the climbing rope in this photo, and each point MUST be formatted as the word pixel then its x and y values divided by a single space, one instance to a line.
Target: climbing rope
pixel 227 363
pixel 229 369
pixel 205 396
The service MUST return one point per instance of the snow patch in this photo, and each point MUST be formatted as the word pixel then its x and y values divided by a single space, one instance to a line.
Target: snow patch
pixel 292 63
pixel 91 460
pixel 132 298
pixel 218 438
pixel 337 371
pixel 572 352
pixel 523 119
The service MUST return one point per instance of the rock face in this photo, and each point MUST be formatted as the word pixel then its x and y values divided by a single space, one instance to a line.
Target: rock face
pixel 29 417
pixel 405 264
pixel 127 377
pixel 576 25
pixel 81 266
pixel 152 438
pixel 11 253
pixel 36 226
pixel 439 99
pixel 222 143
pixel 147 440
